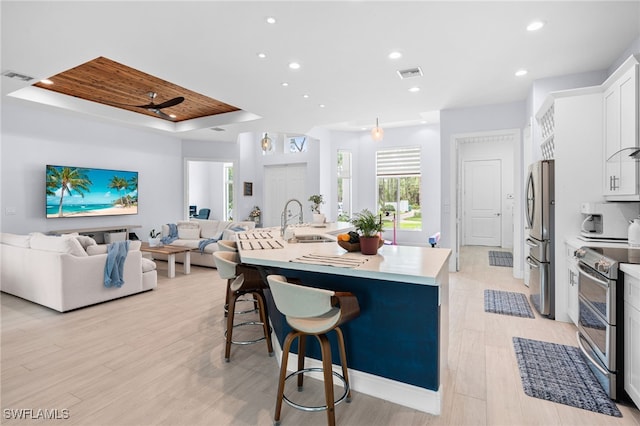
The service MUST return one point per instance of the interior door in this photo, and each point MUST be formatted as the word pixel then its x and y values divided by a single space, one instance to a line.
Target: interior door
pixel 482 202
pixel 282 183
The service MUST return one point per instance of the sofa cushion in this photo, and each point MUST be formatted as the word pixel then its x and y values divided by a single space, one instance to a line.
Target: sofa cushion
pixel 208 228
pixel 15 240
pixel 186 243
pixel 57 244
pixel 188 230
pixel 102 248
pixel 148 265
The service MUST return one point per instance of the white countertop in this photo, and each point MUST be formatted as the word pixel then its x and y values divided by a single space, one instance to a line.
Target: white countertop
pixel 417 265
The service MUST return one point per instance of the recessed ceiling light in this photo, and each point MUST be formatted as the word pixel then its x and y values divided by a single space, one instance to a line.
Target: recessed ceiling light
pixel 395 55
pixel 172 115
pixel 305 96
pixel 535 25
pixel 521 72
pixel 271 20
pixel 321 105
pixel 294 65
pixel 284 84
pixel 414 89
pixel 46 81
pixel 262 55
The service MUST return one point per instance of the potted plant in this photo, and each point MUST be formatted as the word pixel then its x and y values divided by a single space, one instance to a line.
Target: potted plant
pixel 316 201
pixel 154 238
pixel 369 227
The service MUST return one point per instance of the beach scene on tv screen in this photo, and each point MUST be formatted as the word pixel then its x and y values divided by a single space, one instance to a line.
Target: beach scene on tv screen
pixel 77 192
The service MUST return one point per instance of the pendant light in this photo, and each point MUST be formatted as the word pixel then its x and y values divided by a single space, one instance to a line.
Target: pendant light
pixel 265 144
pixel 377 133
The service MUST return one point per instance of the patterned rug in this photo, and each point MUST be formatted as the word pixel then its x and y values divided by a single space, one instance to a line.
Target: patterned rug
pixel 507 303
pixel 500 258
pixel 559 373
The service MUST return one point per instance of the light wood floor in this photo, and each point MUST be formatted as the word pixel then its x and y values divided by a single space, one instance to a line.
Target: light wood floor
pixel 157 359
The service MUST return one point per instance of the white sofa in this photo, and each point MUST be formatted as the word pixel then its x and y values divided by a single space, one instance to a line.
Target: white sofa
pixel 63 274
pixel 191 232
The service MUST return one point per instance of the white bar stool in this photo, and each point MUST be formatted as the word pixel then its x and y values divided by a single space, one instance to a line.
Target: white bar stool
pixel 313 312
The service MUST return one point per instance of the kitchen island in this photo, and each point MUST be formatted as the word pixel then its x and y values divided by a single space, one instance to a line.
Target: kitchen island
pixel 397 347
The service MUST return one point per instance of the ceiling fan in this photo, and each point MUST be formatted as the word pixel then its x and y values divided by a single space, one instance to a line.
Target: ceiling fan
pixel 155 108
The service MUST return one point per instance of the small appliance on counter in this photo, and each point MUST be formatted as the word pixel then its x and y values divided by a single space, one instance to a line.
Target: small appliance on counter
pixel 607 221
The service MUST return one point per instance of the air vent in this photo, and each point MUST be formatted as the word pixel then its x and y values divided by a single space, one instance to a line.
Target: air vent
pixel 217 129
pixel 409 73
pixel 13 74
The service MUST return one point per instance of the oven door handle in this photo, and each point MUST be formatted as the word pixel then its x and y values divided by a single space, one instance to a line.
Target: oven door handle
pixel 589 357
pixel 585 272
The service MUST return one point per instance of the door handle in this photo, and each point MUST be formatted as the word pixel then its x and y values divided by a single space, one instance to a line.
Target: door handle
pixel 497 214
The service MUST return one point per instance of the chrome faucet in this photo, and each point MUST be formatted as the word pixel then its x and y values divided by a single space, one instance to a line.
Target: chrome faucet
pixel 286 215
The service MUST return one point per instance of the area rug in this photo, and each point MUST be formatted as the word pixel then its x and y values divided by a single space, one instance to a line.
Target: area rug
pixel 559 373
pixel 507 303
pixel 500 258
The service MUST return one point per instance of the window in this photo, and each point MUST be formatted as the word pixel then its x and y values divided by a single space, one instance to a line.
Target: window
pixel 344 185
pixel 398 176
pixel 228 191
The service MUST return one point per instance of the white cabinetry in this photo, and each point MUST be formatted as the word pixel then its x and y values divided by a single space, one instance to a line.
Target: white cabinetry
pixel 572 280
pixel 632 337
pixel 620 106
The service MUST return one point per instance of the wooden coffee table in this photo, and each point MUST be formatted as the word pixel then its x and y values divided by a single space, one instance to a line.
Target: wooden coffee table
pixel 171 252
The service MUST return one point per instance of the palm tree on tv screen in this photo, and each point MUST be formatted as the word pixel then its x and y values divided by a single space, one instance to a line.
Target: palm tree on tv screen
pixel 69 180
pixel 120 184
pixel 133 186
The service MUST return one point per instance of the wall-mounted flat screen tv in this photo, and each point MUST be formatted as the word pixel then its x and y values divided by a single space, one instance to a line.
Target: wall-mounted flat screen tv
pixel 82 191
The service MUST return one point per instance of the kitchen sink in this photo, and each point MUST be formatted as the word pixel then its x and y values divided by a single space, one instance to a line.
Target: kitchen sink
pixel 313 239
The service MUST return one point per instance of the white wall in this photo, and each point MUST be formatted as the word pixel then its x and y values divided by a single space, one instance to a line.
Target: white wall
pixel 32 138
pixel 469 120
pixel 206 187
pixel 363 150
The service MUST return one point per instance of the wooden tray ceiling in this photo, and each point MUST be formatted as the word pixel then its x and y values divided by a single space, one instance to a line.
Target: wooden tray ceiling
pixel 111 83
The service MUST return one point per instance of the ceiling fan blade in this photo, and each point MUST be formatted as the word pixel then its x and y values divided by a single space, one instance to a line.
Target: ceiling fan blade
pixel 161 114
pixel 170 103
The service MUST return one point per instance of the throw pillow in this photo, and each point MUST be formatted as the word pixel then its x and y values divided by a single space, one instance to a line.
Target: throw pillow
pixel 97 249
pixel 188 230
pixel 57 244
pixel 189 233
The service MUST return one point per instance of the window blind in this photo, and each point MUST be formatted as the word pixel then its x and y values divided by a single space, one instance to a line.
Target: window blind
pixel 398 162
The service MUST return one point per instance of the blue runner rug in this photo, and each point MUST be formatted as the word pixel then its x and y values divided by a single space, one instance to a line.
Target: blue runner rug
pixel 507 303
pixel 559 373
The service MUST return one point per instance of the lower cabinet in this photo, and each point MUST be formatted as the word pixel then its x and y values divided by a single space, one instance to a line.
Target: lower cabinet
pixel 632 338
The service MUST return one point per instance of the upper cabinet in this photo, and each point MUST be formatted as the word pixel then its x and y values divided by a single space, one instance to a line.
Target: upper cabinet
pixel 621 129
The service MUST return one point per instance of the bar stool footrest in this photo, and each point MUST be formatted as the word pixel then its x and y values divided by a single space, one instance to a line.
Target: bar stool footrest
pixel 320 407
pixel 249 342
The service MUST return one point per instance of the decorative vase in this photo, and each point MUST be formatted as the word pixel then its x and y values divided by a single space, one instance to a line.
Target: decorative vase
pixel 154 242
pixel 369 245
pixel 319 218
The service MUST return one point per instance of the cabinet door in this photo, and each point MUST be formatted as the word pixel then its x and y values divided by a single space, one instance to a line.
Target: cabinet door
pixel 621 132
pixel 632 352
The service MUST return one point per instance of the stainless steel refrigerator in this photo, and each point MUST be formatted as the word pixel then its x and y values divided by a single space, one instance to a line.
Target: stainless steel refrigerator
pixel 539 212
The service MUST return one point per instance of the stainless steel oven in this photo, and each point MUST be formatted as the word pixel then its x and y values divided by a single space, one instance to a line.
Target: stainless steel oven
pixel 600 334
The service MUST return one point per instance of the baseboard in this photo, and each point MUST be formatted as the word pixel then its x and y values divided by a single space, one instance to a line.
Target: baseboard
pixel 404 394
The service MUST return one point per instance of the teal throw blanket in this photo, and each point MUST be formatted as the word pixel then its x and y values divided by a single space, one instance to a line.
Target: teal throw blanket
pixel 114 268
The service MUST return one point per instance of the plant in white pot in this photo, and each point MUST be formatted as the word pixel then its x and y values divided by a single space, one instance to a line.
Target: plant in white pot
pixel 316 201
pixel 154 238
pixel 369 226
